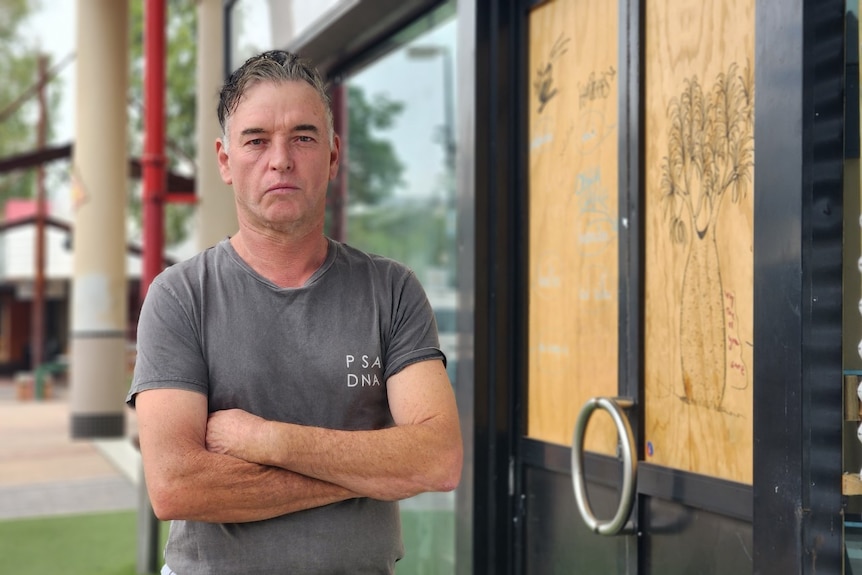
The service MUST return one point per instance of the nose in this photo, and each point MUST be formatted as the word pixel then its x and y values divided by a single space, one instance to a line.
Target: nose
pixel 280 158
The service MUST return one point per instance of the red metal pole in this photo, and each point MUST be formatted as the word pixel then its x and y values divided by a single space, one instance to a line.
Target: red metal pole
pixel 37 340
pixel 154 176
pixel 153 160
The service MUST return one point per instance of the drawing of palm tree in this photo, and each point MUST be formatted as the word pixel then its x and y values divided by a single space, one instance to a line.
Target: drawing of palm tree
pixel 710 151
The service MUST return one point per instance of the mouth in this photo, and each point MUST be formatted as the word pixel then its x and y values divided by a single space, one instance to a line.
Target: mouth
pixel 281 188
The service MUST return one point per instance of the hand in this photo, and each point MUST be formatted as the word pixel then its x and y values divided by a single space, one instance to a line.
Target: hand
pixel 237 433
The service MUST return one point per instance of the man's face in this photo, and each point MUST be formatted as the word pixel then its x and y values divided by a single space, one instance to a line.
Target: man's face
pixel 279 160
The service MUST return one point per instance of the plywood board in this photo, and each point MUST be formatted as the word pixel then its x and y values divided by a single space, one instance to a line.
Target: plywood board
pixel 699 236
pixel 573 193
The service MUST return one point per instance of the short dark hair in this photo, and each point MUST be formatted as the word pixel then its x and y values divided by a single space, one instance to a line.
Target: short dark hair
pixel 275 66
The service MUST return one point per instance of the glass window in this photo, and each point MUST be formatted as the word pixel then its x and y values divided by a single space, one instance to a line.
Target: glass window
pixel 400 160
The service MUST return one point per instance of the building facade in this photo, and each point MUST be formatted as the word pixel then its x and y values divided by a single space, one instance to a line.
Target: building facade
pixel 640 222
pixel 650 217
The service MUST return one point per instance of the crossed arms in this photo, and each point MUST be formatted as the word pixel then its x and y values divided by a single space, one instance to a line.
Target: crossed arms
pixel 232 466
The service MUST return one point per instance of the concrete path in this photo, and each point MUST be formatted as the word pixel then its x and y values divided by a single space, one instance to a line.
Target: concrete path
pixel 45 472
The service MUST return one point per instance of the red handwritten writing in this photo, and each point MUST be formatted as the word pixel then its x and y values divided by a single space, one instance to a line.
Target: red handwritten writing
pixel 730 297
pixel 731 314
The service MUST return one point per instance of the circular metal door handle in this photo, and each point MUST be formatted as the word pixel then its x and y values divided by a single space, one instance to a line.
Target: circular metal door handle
pixel 614 406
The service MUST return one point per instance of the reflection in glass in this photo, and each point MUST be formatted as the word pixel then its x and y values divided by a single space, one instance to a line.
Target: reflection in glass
pixel 400 164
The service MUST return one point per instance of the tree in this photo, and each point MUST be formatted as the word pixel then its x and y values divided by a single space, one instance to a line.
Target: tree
pixel 19 112
pixel 180 102
pixel 415 231
pixel 374 170
pixel 710 152
pixel 369 160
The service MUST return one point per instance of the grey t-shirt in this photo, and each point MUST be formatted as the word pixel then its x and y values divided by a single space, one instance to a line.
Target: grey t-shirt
pixel 316 355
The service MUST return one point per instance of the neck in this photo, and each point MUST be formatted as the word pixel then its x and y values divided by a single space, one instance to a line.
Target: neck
pixel 286 262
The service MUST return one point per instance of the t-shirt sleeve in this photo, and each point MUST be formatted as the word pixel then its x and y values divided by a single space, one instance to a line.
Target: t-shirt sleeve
pixel 413 336
pixel 169 352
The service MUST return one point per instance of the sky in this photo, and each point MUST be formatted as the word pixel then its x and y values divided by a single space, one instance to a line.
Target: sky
pixel 52 28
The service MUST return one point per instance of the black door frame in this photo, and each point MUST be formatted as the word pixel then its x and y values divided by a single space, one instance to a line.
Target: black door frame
pixel 498 363
pixel 798 257
pixel 795 502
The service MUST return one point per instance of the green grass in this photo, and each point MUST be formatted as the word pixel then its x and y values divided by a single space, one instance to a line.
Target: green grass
pixel 106 544
pixel 94 544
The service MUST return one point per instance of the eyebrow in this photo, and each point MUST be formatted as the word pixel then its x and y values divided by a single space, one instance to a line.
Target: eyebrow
pixel 298 128
pixel 306 128
pixel 252 131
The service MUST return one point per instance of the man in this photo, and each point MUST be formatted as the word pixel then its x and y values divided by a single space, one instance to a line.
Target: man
pixel 289 389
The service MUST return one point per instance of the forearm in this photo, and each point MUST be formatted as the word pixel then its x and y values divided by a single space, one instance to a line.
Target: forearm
pixel 389 464
pixel 421 452
pixel 222 489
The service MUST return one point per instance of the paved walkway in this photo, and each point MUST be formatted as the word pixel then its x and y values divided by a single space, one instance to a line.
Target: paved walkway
pixel 45 472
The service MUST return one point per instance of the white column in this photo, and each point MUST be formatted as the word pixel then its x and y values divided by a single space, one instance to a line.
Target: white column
pixel 281 28
pixel 98 372
pixel 215 214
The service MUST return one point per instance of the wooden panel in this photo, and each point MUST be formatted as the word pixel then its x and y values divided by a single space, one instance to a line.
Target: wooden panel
pixel 573 217
pixel 699 235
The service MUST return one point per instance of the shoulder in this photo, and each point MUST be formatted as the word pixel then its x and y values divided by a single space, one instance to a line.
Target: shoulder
pixel 380 266
pixel 191 271
pixel 388 278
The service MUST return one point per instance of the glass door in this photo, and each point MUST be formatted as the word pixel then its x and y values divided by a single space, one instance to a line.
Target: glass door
pixel 574 276
pixel 399 159
pixel 640 154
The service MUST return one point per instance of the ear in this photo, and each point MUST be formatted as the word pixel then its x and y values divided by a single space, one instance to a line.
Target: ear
pixel 334 156
pixel 223 165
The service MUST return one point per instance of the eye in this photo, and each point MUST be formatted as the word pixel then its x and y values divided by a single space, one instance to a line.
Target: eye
pixel 255 142
pixel 305 139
